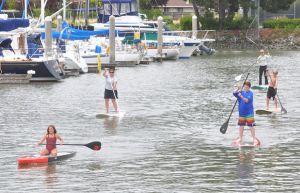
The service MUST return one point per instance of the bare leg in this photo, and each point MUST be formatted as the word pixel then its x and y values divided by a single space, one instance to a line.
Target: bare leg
pixel 268 102
pixel 241 134
pixel 252 129
pixel 115 105
pixel 53 152
pixel 44 152
pixel 107 105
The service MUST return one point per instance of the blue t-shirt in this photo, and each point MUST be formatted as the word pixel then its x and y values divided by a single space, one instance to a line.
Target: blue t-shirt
pixel 245 109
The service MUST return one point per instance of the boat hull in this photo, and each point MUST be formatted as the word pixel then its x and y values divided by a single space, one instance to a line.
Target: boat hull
pixel 44 70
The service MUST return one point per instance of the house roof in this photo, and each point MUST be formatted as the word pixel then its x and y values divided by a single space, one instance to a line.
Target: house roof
pixel 178 3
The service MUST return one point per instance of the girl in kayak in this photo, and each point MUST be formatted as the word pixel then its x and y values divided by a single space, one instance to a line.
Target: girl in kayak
pixel 110 89
pixel 272 89
pixel 51 136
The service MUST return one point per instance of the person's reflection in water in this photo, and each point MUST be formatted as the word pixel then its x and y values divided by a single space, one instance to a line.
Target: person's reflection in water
pixel 51 178
pixel 110 124
pixel 245 170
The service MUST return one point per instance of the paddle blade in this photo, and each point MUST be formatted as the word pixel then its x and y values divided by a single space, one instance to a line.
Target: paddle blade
pixel 238 78
pixel 95 145
pixel 283 110
pixel 223 128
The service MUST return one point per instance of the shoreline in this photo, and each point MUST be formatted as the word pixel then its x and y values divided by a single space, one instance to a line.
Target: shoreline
pixel 273 39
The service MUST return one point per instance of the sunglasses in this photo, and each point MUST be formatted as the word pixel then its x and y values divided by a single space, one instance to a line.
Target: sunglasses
pixel 111 72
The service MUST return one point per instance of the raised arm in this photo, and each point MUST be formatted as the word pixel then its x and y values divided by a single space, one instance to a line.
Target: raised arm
pixel 105 72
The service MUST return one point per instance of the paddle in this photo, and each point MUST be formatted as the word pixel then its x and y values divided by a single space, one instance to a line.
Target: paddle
pixel 282 108
pixel 238 78
pixel 95 145
pixel 224 127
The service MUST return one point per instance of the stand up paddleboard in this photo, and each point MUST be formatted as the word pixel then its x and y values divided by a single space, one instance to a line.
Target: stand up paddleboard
pixel 266 112
pixel 112 114
pixel 245 145
pixel 32 160
pixel 260 87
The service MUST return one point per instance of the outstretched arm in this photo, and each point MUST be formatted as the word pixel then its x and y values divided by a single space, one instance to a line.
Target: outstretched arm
pixel 42 140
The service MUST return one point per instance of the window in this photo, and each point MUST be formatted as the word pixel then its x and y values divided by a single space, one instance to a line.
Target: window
pixel 180 10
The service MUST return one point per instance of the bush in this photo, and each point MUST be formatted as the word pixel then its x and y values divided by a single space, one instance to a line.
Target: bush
pixel 186 23
pixel 152 14
pixel 239 23
pixel 208 22
pixel 282 23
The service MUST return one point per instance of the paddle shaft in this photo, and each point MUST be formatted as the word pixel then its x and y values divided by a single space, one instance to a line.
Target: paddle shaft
pixel 95 145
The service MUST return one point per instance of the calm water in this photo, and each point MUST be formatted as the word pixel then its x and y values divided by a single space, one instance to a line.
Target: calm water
pixel 169 139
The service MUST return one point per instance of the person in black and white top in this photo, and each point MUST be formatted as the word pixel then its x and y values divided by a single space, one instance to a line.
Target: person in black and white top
pixel 262 60
pixel 110 89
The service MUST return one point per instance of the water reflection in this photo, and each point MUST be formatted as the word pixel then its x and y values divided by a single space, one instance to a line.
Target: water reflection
pixel 51 177
pixel 111 124
pixel 245 169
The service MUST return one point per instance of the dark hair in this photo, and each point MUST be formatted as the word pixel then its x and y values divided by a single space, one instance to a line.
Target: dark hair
pixel 53 129
pixel 112 68
pixel 248 84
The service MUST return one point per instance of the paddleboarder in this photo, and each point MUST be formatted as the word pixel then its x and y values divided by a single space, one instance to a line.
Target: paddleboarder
pixel 246 111
pixel 51 136
pixel 272 89
pixel 111 91
pixel 262 60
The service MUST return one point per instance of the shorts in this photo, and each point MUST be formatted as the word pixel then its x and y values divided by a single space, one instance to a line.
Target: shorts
pixel 109 94
pixel 249 120
pixel 271 92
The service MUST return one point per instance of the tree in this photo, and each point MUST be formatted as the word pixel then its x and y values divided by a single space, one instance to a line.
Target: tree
pixel 274 6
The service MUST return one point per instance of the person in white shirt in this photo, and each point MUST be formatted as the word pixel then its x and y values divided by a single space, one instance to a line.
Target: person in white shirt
pixel 262 60
pixel 110 89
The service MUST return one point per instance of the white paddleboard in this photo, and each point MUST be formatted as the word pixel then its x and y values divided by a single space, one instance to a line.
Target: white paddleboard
pixel 111 114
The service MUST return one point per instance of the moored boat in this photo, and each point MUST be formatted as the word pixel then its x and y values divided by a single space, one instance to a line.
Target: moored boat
pixel 29 160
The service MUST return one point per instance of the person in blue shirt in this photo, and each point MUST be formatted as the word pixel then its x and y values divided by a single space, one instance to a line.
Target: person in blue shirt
pixel 246 112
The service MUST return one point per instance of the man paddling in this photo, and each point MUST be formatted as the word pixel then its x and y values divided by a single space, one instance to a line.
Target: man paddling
pixel 246 112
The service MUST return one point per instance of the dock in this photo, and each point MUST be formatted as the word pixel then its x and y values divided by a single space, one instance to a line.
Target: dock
pixel 15 78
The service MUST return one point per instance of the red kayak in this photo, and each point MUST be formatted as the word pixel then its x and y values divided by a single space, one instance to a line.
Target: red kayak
pixel 45 159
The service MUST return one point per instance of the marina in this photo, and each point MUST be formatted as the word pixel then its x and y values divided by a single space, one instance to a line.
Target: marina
pixel 169 134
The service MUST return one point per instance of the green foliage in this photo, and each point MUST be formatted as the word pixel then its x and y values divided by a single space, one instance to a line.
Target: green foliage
pixel 208 21
pixel 186 23
pixel 282 23
pixel 274 6
pixel 168 20
pixel 152 14
pixel 238 23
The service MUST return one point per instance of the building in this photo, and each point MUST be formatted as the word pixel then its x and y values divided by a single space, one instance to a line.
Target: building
pixel 177 8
